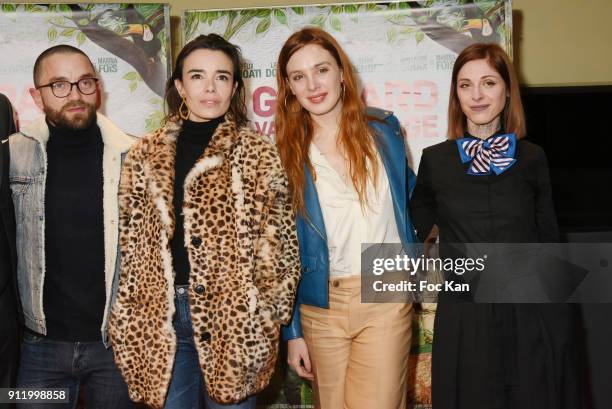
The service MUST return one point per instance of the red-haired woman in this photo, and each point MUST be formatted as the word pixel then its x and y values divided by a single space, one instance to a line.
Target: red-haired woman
pixel 489 185
pixel 349 183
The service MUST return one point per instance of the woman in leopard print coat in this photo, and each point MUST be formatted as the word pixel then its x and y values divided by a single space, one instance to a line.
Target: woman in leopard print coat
pixel 216 334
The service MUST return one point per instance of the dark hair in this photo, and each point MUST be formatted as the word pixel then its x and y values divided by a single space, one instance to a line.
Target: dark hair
pixel 58 49
pixel 513 116
pixel 216 43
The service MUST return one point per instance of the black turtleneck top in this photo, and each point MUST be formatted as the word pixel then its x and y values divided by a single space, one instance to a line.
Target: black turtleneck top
pixel 74 291
pixel 192 141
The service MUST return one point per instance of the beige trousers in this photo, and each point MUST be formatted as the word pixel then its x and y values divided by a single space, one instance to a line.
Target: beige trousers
pixel 359 352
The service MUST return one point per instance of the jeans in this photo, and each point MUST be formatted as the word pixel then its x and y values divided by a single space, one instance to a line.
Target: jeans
pixel 187 389
pixel 55 364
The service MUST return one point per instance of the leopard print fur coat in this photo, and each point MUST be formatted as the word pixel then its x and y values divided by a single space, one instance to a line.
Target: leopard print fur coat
pixel 243 252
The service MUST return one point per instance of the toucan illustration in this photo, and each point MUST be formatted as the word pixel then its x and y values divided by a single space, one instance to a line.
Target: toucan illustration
pixel 116 21
pixel 480 25
pixel 140 29
pixel 139 25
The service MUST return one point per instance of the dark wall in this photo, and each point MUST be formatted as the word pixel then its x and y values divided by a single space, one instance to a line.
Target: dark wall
pixel 573 125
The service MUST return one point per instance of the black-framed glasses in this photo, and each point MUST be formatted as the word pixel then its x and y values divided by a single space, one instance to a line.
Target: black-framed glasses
pixel 61 89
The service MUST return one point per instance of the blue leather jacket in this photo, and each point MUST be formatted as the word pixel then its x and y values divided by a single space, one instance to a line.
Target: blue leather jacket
pixel 314 256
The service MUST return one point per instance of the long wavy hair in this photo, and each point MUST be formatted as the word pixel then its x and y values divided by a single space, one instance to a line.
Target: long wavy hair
pixel 294 126
pixel 214 42
pixel 513 116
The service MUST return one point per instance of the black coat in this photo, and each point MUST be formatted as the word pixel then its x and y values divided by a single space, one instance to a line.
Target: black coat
pixel 7 124
pixel 513 207
pixel 9 306
pixel 496 356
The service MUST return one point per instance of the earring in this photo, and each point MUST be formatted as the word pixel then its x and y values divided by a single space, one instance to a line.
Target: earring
pixel 181 112
pixel 343 89
pixel 293 111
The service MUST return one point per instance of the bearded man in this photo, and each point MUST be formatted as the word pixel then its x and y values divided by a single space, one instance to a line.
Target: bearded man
pixel 64 175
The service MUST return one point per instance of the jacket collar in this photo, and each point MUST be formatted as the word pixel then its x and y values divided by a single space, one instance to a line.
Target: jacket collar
pixel 390 146
pixel 314 215
pixel 162 157
pixel 112 136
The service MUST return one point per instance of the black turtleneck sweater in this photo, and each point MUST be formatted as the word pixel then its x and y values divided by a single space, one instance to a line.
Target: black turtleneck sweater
pixel 192 141
pixel 74 292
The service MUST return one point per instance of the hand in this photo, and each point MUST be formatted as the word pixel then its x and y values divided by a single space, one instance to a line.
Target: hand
pixel 429 246
pixel 298 358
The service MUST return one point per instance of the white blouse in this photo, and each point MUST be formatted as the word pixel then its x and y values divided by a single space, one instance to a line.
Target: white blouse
pixel 347 225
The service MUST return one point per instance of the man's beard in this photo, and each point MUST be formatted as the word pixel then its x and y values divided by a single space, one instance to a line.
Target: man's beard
pixel 78 122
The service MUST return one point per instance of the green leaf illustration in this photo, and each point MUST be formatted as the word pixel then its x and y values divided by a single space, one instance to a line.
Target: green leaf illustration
pixel 80 37
pixel 420 36
pixel 422 19
pixel 64 8
pixel 262 13
pixel 335 23
pixel 336 9
pixel 298 10
pixel 318 21
pixel 191 20
pixel 67 32
pixel 131 76
pixel 154 121
pixel 83 22
pixel 280 16
pixel 484 5
pixel 8 8
pixel 212 16
pixel 57 20
pixel 351 8
pixel 52 34
pixel 404 6
pixel 163 38
pixel 263 25
pixel 133 86
pixel 148 10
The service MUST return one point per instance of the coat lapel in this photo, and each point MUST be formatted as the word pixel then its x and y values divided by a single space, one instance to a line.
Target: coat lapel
pixel 159 169
pixel 391 149
pixel 161 162
pixel 216 153
pixel 214 156
pixel 314 215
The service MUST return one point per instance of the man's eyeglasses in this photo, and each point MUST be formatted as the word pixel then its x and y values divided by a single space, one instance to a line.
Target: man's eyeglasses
pixel 61 89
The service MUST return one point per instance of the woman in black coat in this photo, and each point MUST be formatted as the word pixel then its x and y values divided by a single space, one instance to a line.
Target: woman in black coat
pixel 492 186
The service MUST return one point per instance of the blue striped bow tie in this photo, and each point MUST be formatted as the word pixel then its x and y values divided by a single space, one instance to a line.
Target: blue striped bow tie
pixel 492 154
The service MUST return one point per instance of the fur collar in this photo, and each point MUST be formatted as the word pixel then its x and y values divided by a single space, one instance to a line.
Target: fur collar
pixel 161 160
pixel 113 137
